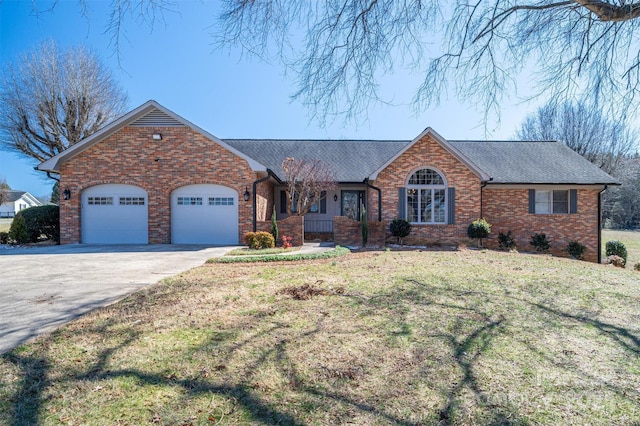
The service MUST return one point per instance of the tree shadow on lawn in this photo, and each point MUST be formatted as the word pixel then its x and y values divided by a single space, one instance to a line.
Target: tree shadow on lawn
pixel 467 341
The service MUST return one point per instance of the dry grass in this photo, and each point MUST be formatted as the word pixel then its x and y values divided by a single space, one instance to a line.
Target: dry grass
pixel 631 240
pixel 5 225
pixel 408 338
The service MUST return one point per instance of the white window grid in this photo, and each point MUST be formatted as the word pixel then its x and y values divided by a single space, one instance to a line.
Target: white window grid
pixel 189 201
pixel 221 201
pixel 100 201
pixel 132 201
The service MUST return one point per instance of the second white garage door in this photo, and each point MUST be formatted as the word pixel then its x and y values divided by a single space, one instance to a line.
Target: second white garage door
pixel 204 214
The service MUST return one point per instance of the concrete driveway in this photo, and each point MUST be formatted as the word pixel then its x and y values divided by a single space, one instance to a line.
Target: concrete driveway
pixel 44 287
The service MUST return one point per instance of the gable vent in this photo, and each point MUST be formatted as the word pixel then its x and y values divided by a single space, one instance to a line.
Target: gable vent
pixel 156 118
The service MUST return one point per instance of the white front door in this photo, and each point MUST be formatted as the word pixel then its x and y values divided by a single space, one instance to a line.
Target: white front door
pixel 204 214
pixel 115 214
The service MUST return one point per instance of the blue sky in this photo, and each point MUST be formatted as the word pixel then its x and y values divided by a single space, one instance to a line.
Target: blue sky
pixel 224 92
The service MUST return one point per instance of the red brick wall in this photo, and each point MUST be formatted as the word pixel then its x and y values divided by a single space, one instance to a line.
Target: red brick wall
pixel 428 153
pixel 508 209
pixel 264 201
pixel 292 226
pixel 130 156
pixel 348 232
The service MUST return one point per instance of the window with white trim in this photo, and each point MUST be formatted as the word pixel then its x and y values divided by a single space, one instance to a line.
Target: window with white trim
pixel 426 197
pixel 189 201
pixel 132 201
pixel 100 201
pixel 552 202
pixel 220 201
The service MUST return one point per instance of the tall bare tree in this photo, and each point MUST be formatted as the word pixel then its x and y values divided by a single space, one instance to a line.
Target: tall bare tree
pixel 583 128
pixel 50 99
pixel 307 183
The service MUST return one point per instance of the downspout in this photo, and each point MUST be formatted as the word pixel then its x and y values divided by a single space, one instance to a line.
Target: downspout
pixel 366 182
pixel 269 175
pixel 600 223
pixel 484 183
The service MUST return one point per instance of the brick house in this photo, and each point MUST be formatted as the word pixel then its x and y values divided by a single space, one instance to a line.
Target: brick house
pixel 153 177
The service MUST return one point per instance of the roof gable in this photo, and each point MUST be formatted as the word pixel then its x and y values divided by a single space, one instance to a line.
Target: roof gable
pixel 11 196
pixel 151 114
pixel 445 145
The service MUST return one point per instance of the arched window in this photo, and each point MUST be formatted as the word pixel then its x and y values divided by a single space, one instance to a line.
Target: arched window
pixel 426 197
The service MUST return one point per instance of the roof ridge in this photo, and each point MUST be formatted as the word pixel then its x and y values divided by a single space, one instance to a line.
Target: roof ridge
pixel 314 140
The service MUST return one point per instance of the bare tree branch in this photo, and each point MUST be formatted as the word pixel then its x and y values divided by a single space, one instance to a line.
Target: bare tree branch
pixel 307 183
pixel 52 99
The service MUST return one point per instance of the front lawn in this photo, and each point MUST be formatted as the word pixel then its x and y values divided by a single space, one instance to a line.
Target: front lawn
pixel 631 240
pixel 409 338
pixel 5 224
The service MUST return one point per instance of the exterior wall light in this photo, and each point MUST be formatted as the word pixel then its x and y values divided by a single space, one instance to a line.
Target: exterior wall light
pixel 335 197
pixel 66 194
pixel 247 194
pixel 157 136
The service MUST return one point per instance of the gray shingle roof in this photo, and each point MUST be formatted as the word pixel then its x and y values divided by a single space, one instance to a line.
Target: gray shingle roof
pixel 507 162
pixel 12 195
pixel 352 160
pixel 544 162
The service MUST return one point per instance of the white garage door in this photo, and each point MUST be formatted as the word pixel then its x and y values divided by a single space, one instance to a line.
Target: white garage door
pixel 115 214
pixel 204 214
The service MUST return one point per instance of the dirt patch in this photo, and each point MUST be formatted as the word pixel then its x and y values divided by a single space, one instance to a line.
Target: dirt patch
pixel 307 291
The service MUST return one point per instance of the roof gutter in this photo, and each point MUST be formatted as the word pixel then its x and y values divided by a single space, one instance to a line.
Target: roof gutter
pixel 269 175
pixel 366 182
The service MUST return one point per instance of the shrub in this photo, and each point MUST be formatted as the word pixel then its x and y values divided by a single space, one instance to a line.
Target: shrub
pixel 274 225
pixel 286 241
pixel 540 242
pixel 4 238
pixel 636 267
pixel 479 229
pixel 39 221
pixel 506 241
pixel 576 250
pixel 617 248
pixel 18 231
pixel 400 229
pixel 615 261
pixel 259 240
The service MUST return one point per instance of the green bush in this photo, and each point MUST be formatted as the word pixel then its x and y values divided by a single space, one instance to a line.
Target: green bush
pixel 18 231
pixel 506 241
pixel 4 238
pixel 636 267
pixel 576 250
pixel 616 248
pixel 400 229
pixel 259 240
pixel 41 221
pixel 540 242
pixel 479 229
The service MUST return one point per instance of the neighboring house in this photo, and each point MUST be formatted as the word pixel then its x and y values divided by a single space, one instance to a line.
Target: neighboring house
pixel 14 201
pixel 153 177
